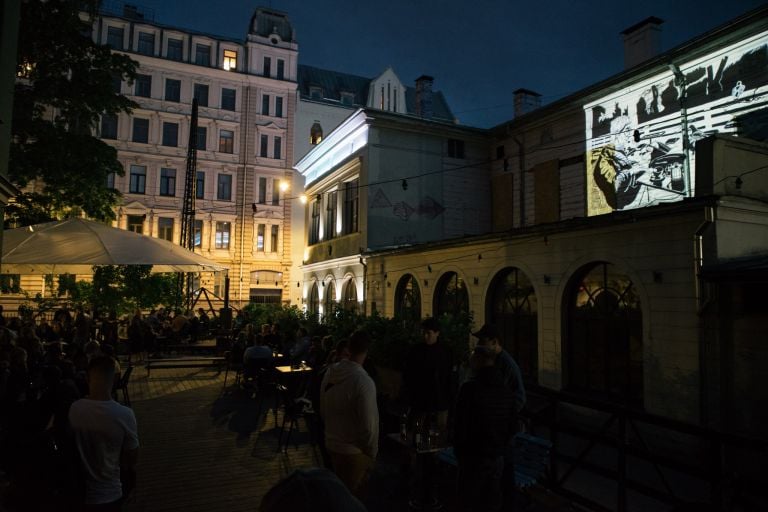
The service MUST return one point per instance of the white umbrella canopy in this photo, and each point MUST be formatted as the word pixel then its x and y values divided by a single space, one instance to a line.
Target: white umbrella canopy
pixel 73 246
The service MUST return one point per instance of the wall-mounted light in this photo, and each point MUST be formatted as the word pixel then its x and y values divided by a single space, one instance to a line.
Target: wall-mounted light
pixel 426 283
pixel 284 186
pixel 298 284
pixel 479 256
pixel 303 198
pixel 404 184
pixel 429 268
pixel 476 281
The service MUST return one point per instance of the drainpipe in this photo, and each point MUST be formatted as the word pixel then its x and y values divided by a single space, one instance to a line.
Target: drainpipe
pixel 521 158
pixel 698 251
pixel 244 159
pixel 365 285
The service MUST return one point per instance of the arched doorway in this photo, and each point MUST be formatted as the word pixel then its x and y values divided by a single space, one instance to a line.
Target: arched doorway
pixel 349 301
pixel 313 301
pixel 408 298
pixel 603 339
pixel 512 306
pixel 329 300
pixel 451 296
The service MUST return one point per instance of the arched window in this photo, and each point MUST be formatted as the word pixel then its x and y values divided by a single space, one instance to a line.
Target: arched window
pixel 313 302
pixel 451 296
pixel 408 298
pixel 511 305
pixel 604 335
pixel 350 296
pixel 329 300
pixel 316 134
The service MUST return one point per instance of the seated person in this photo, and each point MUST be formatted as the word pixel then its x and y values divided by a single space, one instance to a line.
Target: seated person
pixel 258 350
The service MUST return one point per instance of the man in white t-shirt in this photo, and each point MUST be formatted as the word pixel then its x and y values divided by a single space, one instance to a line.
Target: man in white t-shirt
pixel 106 438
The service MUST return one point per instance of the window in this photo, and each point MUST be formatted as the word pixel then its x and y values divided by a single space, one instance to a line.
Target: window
pixel 222 235
pixel 349 299
pixel 117 84
pixel 275 192
pixel 219 283
pixel 201 94
pixel 260 238
pixel 111 180
pixel 175 49
pixel 265 104
pixel 315 134
pixel 280 69
pixel 512 306
pixel 330 214
pixel 136 223
pixel 138 179
pixel 167 182
pixel 10 283
pixel 228 97
pixel 264 144
pixel 172 90
pixel 230 60
pixel 279 107
pixel 262 190
pixel 165 228
pixel 226 141
pixel 267 66
pixel 170 134
pixel 455 148
pixel 200 185
pixel 278 148
pixel 408 299
pixel 224 187
pixel 316 93
pixel 314 227
pixel 140 130
pixel 202 55
pixel 146 43
pixel 329 304
pixel 143 86
pixel 603 338
pixel 350 207
pixel 348 98
pixel 115 38
pixel 109 126
pixel 198 236
pixel 451 297
pixel 273 238
pixel 202 135
pixel 313 302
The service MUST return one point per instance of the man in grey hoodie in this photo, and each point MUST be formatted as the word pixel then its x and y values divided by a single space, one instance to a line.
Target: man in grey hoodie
pixel 348 408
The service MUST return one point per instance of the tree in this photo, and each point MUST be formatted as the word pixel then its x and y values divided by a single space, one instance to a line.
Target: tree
pixel 65 85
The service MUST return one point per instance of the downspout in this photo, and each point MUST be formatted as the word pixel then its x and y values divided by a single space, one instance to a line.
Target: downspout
pixel 244 159
pixel 521 158
pixel 365 285
pixel 704 355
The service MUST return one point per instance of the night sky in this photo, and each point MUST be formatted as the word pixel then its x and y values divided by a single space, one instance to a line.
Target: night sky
pixel 479 51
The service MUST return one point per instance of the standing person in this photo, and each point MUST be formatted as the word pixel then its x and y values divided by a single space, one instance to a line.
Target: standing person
pixel 136 337
pixel 485 421
pixel 106 438
pixel 427 376
pixel 348 408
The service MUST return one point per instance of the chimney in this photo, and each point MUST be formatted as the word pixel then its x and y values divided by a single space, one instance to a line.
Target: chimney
pixel 526 101
pixel 132 12
pixel 642 41
pixel 424 96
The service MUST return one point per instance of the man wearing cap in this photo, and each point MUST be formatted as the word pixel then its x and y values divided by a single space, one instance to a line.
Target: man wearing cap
pixel 488 336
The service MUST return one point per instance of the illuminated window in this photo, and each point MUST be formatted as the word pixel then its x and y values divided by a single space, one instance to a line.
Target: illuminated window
pixel 349 299
pixel 165 228
pixel 200 185
pixel 203 55
pixel 408 299
pixel 136 223
pixel 228 97
pixel 224 187
pixel 329 305
pixel 262 190
pixel 170 134
pixel 314 227
pixel 175 49
pixel 274 238
pixel 451 297
pixel 260 237
pixel 230 60
pixel 226 141
pixel 172 90
pixel 315 134
pixel 330 214
pixel 146 44
pixel 222 235
pixel 313 303
pixel 143 86
pixel 198 236
pixel 201 94
pixel 109 126
pixel 140 130
pixel 350 224
pixel 167 182
pixel 138 179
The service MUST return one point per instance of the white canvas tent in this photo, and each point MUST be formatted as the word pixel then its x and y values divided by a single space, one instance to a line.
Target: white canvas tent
pixel 74 246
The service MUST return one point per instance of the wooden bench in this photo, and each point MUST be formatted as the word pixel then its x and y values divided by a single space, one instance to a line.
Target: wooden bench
pixel 531 459
pixel 186 362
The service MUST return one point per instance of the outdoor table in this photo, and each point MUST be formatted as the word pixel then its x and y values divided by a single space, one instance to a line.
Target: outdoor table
pixel 425 454
pixel 288 369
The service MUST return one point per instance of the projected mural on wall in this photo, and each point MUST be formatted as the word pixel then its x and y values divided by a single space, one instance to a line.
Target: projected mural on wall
pixel 641 140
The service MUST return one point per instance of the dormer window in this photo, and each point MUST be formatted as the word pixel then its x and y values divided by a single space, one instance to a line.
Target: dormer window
pixel 316 134
pixel 347 98
pixel 315 92
pixel 230 60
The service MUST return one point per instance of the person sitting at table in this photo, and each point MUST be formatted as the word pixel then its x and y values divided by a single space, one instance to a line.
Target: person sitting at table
pixel 485 422
pixel 257 350
pixel 351 416
pixel 298 352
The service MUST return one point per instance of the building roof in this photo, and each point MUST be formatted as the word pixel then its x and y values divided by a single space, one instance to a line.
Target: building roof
pixel 333 83
pixel 747 269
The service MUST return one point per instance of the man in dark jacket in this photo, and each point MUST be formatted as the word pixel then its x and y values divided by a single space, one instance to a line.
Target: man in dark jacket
pixel 485 421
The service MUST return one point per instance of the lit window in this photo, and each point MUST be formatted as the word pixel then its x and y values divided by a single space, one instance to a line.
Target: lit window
pixel 260 238
pixel 226 141
pixel 315 134
pixel 222 235
pixel 165 228
pixel 230 60
pixel 350 207
pixel 167 182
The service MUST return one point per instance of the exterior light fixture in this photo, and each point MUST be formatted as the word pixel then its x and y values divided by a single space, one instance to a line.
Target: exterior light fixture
pixel 284 186
pixel 303 198
pixel 404 184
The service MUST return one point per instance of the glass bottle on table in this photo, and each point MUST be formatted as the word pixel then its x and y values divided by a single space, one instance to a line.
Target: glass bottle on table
pixel 417 433
pixel 404 426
